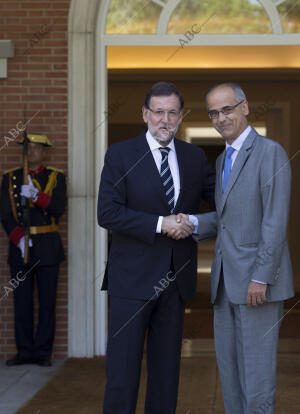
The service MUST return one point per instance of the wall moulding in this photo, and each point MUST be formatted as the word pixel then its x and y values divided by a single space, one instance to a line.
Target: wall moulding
pixel 7 50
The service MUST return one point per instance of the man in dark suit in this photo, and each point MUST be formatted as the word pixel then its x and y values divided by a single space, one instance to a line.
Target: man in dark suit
pixel 145 182
pixel 47 194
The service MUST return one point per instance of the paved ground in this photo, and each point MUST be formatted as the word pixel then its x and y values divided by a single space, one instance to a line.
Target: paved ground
pixel 19 384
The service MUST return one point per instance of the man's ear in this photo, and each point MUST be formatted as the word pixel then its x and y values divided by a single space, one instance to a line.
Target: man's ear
pixel 180 118
pixel 145 114
pixel 245 108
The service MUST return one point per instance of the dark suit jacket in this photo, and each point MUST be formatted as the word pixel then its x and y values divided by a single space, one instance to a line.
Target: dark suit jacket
pixel 47 247
pixel 131 198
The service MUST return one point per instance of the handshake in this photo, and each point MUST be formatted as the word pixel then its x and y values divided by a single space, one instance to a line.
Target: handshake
pixel 177 226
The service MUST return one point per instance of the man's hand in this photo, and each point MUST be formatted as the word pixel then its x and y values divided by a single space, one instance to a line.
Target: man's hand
pixel 177 227
pixel 29 190
pixel 256 294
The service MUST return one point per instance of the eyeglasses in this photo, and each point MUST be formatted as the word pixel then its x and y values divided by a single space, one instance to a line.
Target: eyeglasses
pixel 172 115
pixel 226 110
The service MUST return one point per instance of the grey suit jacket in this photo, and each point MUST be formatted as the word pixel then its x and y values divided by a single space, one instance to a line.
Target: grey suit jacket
pixel 251 222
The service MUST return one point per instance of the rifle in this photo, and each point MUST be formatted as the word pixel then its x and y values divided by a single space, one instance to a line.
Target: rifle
pixel 25 201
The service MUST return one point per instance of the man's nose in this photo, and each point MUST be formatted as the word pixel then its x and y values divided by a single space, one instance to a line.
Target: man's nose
pixel 165 117
pixel 221 117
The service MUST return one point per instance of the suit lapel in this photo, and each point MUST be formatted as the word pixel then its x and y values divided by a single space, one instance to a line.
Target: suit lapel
pixel 218 190
pixel 144 156
pixel 181 161
pixel 240 161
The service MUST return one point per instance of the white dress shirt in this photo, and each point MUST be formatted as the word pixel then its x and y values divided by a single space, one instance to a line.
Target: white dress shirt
pixel 237 144
pixel 173 163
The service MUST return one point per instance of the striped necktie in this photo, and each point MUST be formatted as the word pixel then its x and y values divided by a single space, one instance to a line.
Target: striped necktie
pixel 227 166
pixel 167 178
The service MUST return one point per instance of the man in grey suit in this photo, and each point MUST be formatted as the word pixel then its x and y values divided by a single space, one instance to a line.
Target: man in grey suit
pixel 251 274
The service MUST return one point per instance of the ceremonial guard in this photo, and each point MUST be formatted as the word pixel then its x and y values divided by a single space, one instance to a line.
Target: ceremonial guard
pixel 30 214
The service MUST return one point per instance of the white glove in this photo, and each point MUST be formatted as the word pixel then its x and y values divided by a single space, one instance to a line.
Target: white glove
pixel 29 190
pixel 21 245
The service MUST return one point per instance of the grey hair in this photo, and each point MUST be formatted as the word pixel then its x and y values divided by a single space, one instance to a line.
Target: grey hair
pixel 238 91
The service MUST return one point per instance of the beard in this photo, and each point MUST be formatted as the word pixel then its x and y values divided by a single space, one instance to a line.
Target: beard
pixel 163 133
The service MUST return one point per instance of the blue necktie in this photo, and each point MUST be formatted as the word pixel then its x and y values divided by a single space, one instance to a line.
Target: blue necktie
pixel 227 166
pixel 166 176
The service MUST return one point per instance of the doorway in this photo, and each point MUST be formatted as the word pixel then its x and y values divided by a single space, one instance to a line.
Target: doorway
pixel 126 91
pixel 89 44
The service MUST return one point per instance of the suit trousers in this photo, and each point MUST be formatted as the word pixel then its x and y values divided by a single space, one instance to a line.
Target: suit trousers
pixel 130 319
pixel 32 345
pixel 246 341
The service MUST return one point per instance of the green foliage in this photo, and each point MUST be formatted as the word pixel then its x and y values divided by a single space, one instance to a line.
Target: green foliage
pixel 132 16
pixel 132 10
pixel 231 8
pixel 290 9
pixel 231 16
pixel 146 9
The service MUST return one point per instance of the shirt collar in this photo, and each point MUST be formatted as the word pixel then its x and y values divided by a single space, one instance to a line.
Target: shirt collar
pixel 153 144
pixel 237 143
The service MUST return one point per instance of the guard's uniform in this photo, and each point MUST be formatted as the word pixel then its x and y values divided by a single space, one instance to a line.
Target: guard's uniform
pixel 45 255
